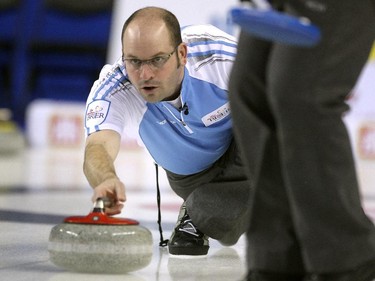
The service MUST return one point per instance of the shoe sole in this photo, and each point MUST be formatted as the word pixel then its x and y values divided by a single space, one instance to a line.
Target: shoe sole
pixel 188 251
pixel 187 257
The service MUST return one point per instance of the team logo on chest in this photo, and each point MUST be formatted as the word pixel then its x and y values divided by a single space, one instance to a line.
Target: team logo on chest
pixel 216 115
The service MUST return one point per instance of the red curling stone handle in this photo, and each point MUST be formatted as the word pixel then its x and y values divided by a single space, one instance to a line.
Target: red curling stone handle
pixel 100 218
pixel 97 216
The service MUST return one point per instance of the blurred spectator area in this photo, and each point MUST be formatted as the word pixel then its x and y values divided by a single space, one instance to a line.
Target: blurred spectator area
pixel 51 49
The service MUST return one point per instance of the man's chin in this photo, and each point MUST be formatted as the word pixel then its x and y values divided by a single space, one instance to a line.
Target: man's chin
pixel 151 98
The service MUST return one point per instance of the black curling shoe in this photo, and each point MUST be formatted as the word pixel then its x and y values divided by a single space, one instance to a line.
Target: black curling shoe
pixel 186 239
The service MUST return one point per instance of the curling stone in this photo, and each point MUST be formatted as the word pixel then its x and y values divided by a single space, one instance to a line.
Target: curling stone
pixel 97 243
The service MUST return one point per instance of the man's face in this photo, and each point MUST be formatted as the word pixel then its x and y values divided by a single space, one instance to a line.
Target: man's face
pixel 155 67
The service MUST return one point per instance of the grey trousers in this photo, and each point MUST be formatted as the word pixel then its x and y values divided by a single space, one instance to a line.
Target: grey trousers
pixel 217 199
pixel 287 106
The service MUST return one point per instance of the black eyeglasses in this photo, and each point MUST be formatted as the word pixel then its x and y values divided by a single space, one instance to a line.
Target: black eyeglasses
pixel 155 63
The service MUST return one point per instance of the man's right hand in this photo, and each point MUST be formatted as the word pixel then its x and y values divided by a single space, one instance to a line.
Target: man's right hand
pixel 113 191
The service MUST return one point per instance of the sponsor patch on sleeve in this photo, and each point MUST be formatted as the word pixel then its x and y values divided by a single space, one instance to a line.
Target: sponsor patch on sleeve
pixel 216 115
pixel 96 113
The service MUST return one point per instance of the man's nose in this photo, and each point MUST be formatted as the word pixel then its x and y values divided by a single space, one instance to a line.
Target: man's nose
pixel 146 72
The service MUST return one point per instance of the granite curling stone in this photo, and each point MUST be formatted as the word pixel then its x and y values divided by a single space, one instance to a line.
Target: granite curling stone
pixel 98 243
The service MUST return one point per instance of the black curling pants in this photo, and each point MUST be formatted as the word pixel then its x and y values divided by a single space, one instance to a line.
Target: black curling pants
pixel 287 106
pixel 217 199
